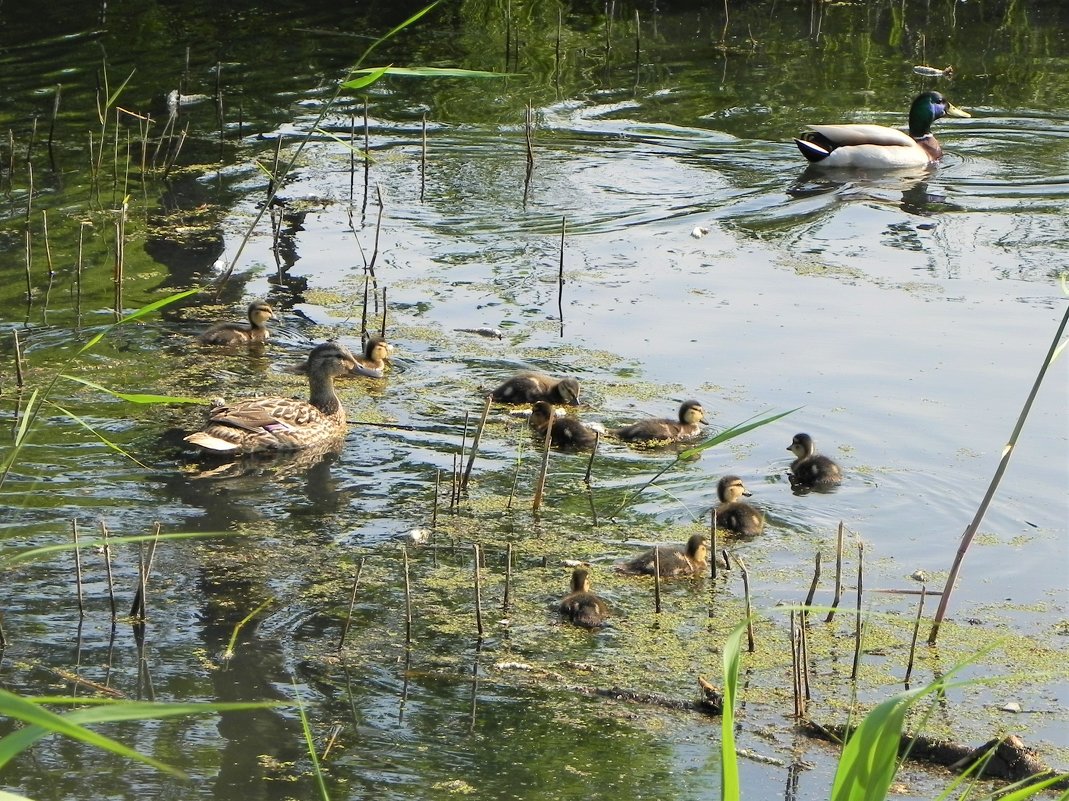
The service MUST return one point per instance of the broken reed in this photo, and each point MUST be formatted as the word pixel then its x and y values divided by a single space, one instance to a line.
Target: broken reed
pixel 475 444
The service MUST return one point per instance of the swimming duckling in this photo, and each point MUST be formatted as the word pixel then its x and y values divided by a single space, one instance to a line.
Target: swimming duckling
pixel 236 333
pixel 373 360
pixel 581 606
pixel 531 387
pixel 691 416
pixel 675 560
pixel 810 469
pixel 254 425
pixel 734 515
pixel 877 146
pixel 567 432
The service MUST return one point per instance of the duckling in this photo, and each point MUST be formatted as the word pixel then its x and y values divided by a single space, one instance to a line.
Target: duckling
pixel 253 425
pixel 810 469
pixel 237 333
pixel 581 606
pixel 877 146
pixel 567 432
pixel 734 515
pixel 373 360
pixel 531 387
pixel 691 416
pixel 675 560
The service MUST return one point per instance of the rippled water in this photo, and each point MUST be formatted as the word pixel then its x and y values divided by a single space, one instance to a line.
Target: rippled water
pixel 906 314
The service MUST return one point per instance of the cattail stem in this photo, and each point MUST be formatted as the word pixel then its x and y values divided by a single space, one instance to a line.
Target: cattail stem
pixel 916 631
pixel 508 579
pixel 858 622
pixel 478 594
pixel 712 545
pixel 352 604
pixel 408 598
pixel 750 643
pixel 540 486
pixel 657 579
pixel 590 461
pixel 813 584
pixel 78 568
pixel 107 565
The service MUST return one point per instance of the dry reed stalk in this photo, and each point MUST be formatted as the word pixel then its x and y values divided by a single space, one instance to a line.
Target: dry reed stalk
pixel 727 558
pixel 457 465
pixel 137 608
pixel 838 574
pixel 540 485
pixel 437 491
pixel 78 569
pixel 813 583
pixel 657 579
pixel 478 593
pixel 363 315
pixel 423 161
pixel 352 163
pixel 508 579
pixel 913 641
pixel 796 673
pixel 408 598
pixel 107 566
pixel 590 461
pixel 806 690
pixel 560 276
pixel 858 622
pixel 382 329
pixel 556 50
pixel 712 545
pixel 1007 451
pixel 750 644
pixel 20 380
pixel 352 604
pixel 52 126
pixel 475 444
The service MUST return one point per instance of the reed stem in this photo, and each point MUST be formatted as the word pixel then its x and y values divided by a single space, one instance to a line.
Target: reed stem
pixel 657 579
pixel 475 443
pixel 838 574
pixel 408 598
pixel 858 623
pixel 478 593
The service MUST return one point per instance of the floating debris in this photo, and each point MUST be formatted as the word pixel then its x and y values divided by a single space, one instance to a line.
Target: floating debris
pixel 699 232
pixel 489 333
pixel 934 72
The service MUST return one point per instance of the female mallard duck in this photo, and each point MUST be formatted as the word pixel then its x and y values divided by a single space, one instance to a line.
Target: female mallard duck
pixel 581 606
pixel 238 333
pixel 877 146
pixel 810 469
pixel 675 560
pixel 531 387
pixel 566 432
pixel 734 515
pixel 691 416
pixel 254 425
pixel 373 360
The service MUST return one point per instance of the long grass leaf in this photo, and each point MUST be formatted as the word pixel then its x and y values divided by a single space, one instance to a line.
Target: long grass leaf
pixel 1029 790
pixel 731 433
pixel 117 448
pixel 6 796
pixel 11 557
pixel 18 708
pixel 136 314
pixel 136 397
pixel 374 73
pixel 24 423
pixel 397 29
pixel 729 759
pixel 115 95
pixel 309 743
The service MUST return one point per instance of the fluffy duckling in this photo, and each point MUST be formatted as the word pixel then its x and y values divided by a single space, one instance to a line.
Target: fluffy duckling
pixel 566 432
pixel 581 606
pixel 253 425
pixel 810 469
pixel 877 146
pixel 691 416
pixel 675 560
pixel 734 515
pixel 237 333
pixel 531 387
pixel 373 360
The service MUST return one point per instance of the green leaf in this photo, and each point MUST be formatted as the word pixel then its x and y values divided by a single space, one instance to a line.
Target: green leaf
pixel 373 75
pixel 134 315
pixel 731 433
pixel 136 397
pixel 422 72
pixel 729 759
pixel 25 421
pixel 118 449
pixel 10 557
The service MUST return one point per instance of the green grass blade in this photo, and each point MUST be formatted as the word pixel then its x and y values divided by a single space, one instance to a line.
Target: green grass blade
pixel 137 314
pixel 397 29
pixel 309 742
pixel 25 421
pixel 115 95
pixel 373 74
pixel 6 796
pixel 731 433
pixel 10 557
pixel 118 449
pixel 18 708
pixel 1030 790
pixel 136 397
pixel 729 759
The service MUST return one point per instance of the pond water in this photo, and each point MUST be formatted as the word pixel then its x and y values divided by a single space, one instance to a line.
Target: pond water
pixel 903 317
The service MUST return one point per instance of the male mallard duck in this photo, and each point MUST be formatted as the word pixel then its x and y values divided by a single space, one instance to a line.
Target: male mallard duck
pixel 810 469
pixel 675 560
pixel 567 432
pixel 236 333
pixel 373 360
pixel 253 425
pixel 691 416
pixel 531 387
pixel 877 146
pixel 581 606
pixel 734 515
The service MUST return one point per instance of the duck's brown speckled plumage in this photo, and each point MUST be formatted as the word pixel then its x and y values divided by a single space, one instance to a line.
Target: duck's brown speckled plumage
pixel 531 387
pixel 675 560
pixel 810 469
pixel 688 426
pixel 567 432
pixel 581 606
pixel 254 425
pixel 733 515
pixel 236 333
